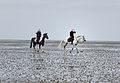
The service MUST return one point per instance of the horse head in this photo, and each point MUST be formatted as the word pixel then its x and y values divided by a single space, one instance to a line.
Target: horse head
pixel 80 38
pixel 45 35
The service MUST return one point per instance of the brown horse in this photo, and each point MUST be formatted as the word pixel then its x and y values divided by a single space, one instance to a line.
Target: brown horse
pixel 41 41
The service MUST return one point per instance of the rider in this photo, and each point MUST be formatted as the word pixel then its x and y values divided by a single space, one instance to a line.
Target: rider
pixel 38 35
pixel 72 35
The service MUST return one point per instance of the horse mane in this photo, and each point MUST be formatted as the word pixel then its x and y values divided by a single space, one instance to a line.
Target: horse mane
pixel 79 36
pixel 42 36
pixel 45 34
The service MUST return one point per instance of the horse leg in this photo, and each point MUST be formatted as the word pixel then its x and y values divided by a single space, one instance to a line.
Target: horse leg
pixel 65 47
pixel 77 50
pixel 39 48
pixel 42 49
pixel 34 47
pixel 71 50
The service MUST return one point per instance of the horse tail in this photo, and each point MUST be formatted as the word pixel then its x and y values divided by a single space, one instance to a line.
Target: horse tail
pixel 31 43
pixel 59 46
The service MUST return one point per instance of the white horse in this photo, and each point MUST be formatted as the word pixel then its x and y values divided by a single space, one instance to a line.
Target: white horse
pixel 75 43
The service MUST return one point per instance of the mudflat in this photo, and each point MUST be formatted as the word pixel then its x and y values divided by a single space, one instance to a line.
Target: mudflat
pixel 96 62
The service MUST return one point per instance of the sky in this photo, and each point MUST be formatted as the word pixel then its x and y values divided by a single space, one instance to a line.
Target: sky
pixel 95 19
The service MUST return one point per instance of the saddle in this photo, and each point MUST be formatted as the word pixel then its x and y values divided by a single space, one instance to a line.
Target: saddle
pixel 70 39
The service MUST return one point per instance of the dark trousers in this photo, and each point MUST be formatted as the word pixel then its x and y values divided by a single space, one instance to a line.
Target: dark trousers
pixel 71 39
pixel 38 38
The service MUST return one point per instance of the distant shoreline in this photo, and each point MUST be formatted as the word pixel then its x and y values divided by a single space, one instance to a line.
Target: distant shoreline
pixel 57 41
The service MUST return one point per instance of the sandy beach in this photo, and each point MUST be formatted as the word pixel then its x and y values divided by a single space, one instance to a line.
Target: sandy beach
pixel 96 62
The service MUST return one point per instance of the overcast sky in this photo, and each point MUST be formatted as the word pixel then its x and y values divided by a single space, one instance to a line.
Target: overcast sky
pixel 95 19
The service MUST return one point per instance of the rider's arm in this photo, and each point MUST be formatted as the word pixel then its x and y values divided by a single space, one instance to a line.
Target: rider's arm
pixel 74 32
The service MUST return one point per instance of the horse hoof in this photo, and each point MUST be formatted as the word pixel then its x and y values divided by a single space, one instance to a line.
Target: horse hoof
pixel 81 51
pixel 37 51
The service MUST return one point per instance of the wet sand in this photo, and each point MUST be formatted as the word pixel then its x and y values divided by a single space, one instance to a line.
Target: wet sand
pixel 96 62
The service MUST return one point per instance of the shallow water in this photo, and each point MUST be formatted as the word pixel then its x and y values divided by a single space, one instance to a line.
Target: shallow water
pixel 96 62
